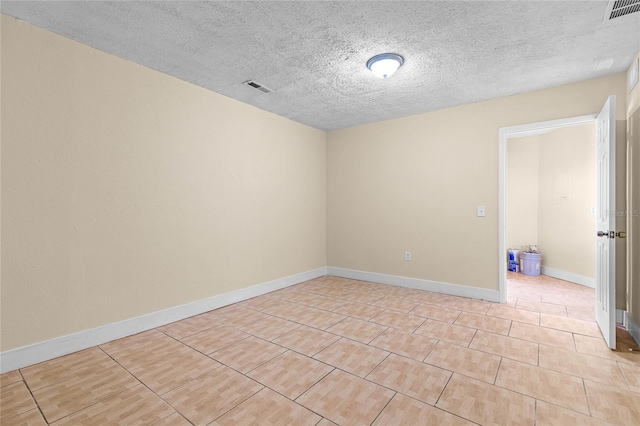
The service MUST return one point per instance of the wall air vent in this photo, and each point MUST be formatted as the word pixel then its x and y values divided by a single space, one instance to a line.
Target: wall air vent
pixel 619 8
pixel 258 86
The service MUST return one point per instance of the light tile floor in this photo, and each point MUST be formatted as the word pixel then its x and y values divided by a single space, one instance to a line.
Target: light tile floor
pixel 339 351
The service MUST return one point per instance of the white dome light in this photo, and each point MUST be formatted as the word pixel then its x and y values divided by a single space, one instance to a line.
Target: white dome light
pixel 385 64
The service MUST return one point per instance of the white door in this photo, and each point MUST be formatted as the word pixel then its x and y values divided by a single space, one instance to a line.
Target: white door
pixel 606 204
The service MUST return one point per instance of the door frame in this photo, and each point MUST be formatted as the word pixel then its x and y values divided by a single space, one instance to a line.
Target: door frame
pixel 504 134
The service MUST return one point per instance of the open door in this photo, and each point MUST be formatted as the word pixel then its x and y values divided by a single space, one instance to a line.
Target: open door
pixel 605 222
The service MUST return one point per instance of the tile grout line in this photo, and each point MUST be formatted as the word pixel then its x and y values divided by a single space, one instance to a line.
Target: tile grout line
pixel 586 397
pixel 133 375
pixel 443 389
pixel 160 396
pixel 95 402
pixel 239 403
pixel 383 408
pixel 495 377
pixel 35 401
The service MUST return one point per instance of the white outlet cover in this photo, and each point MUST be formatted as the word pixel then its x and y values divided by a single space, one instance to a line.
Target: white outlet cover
pixel 482 211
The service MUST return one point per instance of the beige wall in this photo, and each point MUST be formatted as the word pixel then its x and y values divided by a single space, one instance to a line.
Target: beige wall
pixel 414 184
pixel 522 191
pixel 566 229
pixel 633 213
pixel 126 191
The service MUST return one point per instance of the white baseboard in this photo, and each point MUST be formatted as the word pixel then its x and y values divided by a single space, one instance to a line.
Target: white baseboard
pixel 43 351
pixel 568 276
pixel 437 287
pixel 632 327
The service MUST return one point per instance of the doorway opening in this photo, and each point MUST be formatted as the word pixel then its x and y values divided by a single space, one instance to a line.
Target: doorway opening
pixel 558 193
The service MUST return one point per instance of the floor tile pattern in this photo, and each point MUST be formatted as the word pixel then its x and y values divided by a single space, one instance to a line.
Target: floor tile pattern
pixel 215 338
pixel 486 404
pixel 406 344
pixel 436 312
pixel 247 354
pixel 306 340
pixel 582 365
pixel 550 415
pixel 510 313
pixel 540 383
pixel 473 363
pixel 547 336
pixel 352 357
pixel 447 332
pixel 484 322
pixel 413 378
pixel 346 399
pixel 290 374
pixel 16 399
pixel 268 408
pixel 399 320
pixel 202 401
pixel 508 347
pixel 403 410
pixel 137 404
pixel 335 351
pixel 613 404
pixel 360 330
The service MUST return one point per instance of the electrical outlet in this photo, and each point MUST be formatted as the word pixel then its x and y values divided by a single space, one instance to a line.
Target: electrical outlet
pixel 407 256
pixel 482 211
pixel 593 210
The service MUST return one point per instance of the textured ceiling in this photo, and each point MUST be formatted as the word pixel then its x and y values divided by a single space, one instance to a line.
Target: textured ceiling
pixel 313 54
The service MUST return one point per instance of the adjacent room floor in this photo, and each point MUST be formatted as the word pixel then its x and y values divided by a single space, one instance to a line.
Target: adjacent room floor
pixel 349 352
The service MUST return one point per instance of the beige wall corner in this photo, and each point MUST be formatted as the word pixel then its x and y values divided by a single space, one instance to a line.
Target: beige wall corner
pixel 633 207
pixel 126 191
pixel 621 213
pixel 414 183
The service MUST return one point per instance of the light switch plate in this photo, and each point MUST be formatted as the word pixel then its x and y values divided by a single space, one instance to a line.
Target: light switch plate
pixel 482 211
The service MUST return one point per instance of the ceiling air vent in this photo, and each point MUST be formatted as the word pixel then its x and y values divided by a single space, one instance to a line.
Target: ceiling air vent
pixel 261 87
pixel 619 8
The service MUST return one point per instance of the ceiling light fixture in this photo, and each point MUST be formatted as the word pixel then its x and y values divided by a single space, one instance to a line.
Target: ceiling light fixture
pixel 385 64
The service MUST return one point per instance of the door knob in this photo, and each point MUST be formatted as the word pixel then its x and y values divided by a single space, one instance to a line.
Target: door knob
pixel 612 234
pixel 608 234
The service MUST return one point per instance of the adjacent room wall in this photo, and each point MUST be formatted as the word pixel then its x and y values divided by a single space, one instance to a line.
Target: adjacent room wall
pixel 566 228
pixel 633 209
pixel 414 184
pixel 621 208
pixel 522 191
pixel 126 191
pixel 561 224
